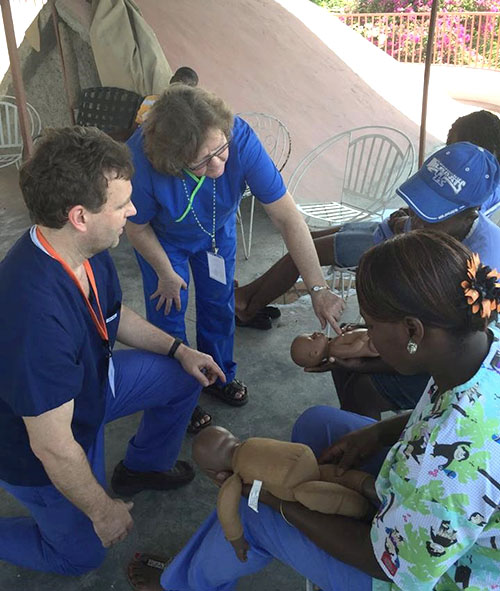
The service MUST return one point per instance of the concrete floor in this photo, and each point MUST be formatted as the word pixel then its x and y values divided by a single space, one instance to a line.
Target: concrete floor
pixel 279 391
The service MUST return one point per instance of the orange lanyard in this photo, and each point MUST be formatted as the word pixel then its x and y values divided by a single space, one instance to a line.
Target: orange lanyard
pixel 99 321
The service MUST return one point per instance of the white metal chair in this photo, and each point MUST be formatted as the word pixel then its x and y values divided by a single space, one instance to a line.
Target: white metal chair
pixel 11 143
pixel 275 138
pixel 370 162
pixel 376 160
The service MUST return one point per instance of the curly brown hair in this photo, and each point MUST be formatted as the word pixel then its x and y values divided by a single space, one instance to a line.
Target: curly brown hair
pixel 178 123
pixel 418 274
pixel 71 166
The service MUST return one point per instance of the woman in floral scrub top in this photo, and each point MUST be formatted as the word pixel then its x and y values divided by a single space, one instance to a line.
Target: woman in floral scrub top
pixel 429 306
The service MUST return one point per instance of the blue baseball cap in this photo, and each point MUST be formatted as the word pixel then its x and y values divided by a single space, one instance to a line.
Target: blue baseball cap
pixel 457 177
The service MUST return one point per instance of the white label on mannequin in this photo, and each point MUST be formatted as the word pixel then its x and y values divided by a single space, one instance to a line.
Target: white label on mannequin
pixel 216 267
pixel 253 497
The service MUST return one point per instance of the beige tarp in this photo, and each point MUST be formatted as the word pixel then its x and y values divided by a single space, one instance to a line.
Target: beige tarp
pixel 126 50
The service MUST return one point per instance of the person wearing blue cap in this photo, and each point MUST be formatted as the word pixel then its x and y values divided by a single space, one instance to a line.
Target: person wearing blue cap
pixel 343 246
pixel 445 195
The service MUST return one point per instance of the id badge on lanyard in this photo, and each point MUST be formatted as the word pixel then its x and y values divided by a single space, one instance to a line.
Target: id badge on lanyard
pixel 216 267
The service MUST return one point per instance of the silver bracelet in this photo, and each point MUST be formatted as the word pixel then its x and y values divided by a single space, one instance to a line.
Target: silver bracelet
pixel 283 515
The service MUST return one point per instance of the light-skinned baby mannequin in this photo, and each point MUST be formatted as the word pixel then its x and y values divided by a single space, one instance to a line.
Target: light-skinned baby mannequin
pixel 289 471
pixel 311 350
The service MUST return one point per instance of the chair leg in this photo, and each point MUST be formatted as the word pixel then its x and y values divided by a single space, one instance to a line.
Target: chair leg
pixel 239 218
pixel 309 585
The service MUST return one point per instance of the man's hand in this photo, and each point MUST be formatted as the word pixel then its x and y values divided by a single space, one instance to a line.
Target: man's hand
pixel 114 524
pixel 168 291
pixel 353 449
pixel 328 307
pixel 199 365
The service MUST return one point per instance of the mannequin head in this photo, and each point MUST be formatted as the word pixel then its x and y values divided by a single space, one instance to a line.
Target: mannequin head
pixel 309 350
pixel 213 450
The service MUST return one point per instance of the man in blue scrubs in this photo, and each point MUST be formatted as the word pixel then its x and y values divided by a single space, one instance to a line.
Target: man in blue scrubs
pixel 60 383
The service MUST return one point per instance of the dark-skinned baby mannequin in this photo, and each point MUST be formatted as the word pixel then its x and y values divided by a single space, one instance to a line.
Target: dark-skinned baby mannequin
pixel 312 350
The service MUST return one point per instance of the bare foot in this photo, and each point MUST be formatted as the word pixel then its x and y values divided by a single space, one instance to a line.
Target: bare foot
pixel 240 305
pixel 144 572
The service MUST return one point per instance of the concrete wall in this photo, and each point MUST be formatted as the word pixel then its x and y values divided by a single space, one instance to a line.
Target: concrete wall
pixel 42 71
pixel 477 86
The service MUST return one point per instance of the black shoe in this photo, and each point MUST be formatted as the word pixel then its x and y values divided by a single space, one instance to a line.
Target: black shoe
pixel 261 321
pixel 125 482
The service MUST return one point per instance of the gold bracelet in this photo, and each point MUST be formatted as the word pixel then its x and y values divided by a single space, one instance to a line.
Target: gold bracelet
pixel 283 515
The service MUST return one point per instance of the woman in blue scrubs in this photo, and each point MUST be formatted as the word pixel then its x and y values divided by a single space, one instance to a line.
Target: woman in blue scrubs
pixel 192 161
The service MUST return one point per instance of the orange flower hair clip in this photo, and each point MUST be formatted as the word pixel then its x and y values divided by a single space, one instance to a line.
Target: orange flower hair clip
pixel 482 289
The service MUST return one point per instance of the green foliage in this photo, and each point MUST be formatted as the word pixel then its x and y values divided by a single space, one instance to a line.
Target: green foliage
pixel 460 38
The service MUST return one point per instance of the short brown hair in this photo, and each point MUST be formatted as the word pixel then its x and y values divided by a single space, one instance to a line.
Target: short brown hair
pixel 178 123
pixel 71 166
pixel 418 274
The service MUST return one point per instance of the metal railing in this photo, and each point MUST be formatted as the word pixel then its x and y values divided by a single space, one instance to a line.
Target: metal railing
pixel 461 38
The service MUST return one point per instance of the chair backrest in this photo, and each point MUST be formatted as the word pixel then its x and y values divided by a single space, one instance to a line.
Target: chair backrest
pixel 376 160
pixel 108 108
pixel 34 117
pixel 273 134
pixel 11 143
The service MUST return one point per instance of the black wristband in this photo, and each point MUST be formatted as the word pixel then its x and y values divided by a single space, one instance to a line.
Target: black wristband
pixel 175 345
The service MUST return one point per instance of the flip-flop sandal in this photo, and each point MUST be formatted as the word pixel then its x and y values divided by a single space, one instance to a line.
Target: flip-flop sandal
pixel 261 321
pixel 226 392
pixel 148 563
pixel 198 414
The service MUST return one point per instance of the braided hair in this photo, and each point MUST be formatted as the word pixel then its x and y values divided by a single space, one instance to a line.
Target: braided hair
pixel 481 128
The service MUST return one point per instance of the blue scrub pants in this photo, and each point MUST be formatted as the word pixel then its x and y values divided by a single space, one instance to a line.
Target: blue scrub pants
pixel 214 301
pixel 208 561
pixel 58 537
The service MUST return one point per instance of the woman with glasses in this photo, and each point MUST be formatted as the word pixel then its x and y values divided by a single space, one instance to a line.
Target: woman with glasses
pixel 192 161
pixel 436 469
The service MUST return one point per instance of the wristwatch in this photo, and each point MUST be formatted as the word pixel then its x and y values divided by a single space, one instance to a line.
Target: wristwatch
pixel 316 288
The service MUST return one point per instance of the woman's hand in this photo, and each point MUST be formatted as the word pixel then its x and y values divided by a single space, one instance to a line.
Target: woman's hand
pixel 199 365
pixel 353 449
pixel 328 307
pixel 168 291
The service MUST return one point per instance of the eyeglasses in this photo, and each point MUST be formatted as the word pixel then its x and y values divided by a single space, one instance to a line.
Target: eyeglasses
pixel 206 161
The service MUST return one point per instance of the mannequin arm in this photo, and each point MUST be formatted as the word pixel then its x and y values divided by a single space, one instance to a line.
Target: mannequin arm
pixel 333 499
pixel 352 345
pixel 228 503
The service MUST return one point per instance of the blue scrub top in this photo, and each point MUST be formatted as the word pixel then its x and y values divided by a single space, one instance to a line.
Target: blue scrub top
pixel 161 199
pixel 50 352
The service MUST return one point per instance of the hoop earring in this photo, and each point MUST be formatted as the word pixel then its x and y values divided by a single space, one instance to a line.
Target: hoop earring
pixel 411 347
